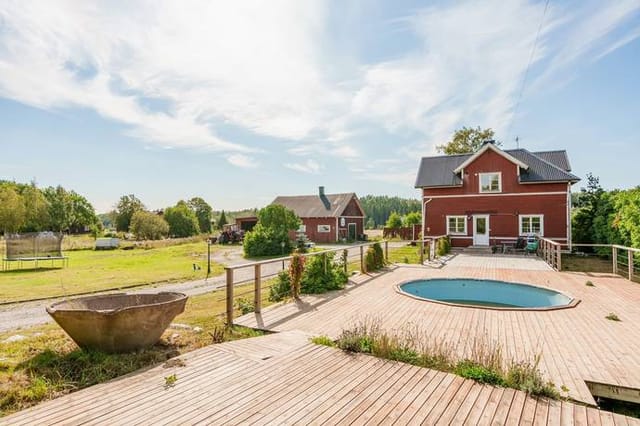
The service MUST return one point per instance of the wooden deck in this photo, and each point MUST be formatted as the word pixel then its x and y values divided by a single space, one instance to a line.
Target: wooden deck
pixel 576 344
pixel 284 379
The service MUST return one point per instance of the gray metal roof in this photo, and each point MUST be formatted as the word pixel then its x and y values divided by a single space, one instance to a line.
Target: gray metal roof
pixel 546 166
pixel 313 206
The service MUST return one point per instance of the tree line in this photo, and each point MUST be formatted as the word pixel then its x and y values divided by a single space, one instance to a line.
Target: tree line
pixel 27 208
pixel 378 208
pixel 606 217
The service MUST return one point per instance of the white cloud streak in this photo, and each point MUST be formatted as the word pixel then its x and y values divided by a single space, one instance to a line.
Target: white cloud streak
pixel 309 166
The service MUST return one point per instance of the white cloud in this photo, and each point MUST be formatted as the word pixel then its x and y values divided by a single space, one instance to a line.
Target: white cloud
pixel 241 160
pixel 309 166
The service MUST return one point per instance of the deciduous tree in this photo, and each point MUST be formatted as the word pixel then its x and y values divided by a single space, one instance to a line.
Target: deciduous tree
pixel 125 209
pixel 203 213
pixel 182 220
pixel 466 140
pixel 12 210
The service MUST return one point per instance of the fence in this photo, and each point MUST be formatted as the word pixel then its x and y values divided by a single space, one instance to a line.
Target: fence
pixel 268 268
pixel 624 261
pixel 412 232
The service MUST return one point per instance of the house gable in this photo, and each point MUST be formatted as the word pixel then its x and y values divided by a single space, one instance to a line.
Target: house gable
pixel 353 209
pixel 490 147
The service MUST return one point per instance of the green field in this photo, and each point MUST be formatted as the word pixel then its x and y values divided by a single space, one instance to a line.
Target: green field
pixel 91 270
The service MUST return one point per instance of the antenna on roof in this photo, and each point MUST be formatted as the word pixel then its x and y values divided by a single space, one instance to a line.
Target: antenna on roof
pixel 518 142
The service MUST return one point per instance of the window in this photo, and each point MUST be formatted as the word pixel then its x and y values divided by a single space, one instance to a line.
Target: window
pixel 490 182
pixel 457 225
pixel 531 224
pixel 324 228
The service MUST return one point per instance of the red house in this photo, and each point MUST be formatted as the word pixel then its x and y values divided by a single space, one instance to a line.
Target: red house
pixel 327 218
pixel 494 196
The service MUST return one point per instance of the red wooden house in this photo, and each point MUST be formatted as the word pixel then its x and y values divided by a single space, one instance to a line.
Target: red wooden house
pixel 327 218
pixel 494 196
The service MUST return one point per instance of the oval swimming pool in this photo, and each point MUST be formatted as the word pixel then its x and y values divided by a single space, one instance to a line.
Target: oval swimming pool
pixel 486 294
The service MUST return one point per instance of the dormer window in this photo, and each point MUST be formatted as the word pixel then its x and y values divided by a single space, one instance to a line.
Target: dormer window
pixel 491 182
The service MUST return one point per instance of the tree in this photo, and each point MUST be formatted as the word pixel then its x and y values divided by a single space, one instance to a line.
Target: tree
pixel 182 220
pixel 466 140
pixel 12 210
pixel 83 215
pixel 222 220
pixel 36 210
pixel 413 218
pixel 370 224
pixel 379 207
pixel 270 236
pixel 60 208
pixel 125 209
pixel 203 213
pixel 148 226
pixel 583 217
pixel 394 221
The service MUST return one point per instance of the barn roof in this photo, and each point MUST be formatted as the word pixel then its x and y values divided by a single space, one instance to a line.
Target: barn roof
pixel 544 166
pixel 327 205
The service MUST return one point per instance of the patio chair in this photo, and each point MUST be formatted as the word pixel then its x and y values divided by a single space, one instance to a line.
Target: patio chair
pixel 532 246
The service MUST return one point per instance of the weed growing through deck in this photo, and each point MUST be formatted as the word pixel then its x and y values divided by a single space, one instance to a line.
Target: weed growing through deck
pixel 324 341
pixel 170 381
pixel 483 362
pixel 589 284
pixel 613 317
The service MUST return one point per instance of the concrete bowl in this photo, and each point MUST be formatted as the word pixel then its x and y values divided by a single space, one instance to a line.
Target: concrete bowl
pixel 119 322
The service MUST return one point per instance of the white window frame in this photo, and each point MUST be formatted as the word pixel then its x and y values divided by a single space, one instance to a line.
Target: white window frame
pixel 464 220
pixel 481 175
pixel 324 229
pixel 530 216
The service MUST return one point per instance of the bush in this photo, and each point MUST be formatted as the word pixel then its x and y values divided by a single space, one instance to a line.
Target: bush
pixel 374 258
pixel 444 246
pixel 263 241
pixel 282 287
pixel 245 305
pixel 323 274
pixel 148 226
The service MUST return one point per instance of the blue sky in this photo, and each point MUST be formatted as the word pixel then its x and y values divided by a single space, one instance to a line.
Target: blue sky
pixel 240 102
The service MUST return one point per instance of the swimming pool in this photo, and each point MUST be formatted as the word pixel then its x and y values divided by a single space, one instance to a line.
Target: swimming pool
pixel 486 294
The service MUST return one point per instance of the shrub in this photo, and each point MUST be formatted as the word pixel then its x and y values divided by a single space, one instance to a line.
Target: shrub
pixel 244 305
pixel 282 287
pixel 323 274
pixel 444 246
pixel 148 226
pixel 394 221
pixel 374 258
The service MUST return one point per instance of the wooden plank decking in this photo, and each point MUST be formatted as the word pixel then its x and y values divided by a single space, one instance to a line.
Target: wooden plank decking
pixel 284 379
pixel 576 344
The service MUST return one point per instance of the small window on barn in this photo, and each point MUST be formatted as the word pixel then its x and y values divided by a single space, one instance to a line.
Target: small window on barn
pixel 490 182
pixel 531 224
pixel 324 228
pixel 457 225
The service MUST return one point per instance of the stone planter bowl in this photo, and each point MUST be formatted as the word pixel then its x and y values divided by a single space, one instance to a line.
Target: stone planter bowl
pixel 117 322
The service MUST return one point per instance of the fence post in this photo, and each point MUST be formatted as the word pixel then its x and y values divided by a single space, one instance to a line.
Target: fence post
pixel 257 293
pixel 559 258
pixel 345 254
pixel 229 297
pixel 362 260
pixel 614 255
pixel 422 250
pixel 630 257
pixel 386 250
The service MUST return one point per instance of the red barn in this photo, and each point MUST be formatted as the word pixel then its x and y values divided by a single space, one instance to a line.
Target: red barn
pixel 327 218
pixel 494 196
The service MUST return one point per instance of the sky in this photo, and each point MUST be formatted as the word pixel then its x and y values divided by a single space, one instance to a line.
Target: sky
pixel 238 102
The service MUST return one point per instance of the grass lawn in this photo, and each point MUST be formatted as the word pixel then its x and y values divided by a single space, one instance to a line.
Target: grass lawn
pixel 586 264
pixel 47 364
pixel 405 254
pixel 91 270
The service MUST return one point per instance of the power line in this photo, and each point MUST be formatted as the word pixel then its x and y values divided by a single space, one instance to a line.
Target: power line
pixel 526 72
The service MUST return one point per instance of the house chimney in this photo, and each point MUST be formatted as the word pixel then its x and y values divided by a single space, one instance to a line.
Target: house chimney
pixel 323 198
pixel 321 191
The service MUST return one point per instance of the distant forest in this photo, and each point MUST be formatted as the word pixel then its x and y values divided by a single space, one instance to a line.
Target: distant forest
pixel 377 208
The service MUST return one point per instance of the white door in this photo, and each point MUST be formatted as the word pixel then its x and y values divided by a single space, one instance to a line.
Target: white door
pixel 481 230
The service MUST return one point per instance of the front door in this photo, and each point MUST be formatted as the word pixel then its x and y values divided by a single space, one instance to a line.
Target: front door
pixel 481 230
pixel 352 231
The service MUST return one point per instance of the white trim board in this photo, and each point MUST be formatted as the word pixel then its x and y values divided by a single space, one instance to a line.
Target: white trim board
pixel 501 194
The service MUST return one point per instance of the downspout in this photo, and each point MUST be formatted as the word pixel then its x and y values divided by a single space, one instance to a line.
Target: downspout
pixel 424 223
pixel 569 228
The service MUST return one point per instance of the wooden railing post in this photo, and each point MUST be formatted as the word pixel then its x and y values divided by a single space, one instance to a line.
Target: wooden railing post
pixel 362 260
pixel 559 258
pixel 630 257
pixel 229 296
pixel 386 250
pixel 345 255
pixel 614 256
pixel 257 293
pixel 422 251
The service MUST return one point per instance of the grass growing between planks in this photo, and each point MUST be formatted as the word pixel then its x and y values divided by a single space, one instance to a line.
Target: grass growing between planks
pixel 46 363
pixel 484 361
pixel 91 270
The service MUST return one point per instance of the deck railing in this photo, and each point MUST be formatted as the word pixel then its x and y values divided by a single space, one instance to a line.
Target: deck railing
pixel 429 245
pixel 284 261
pixel 625 261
